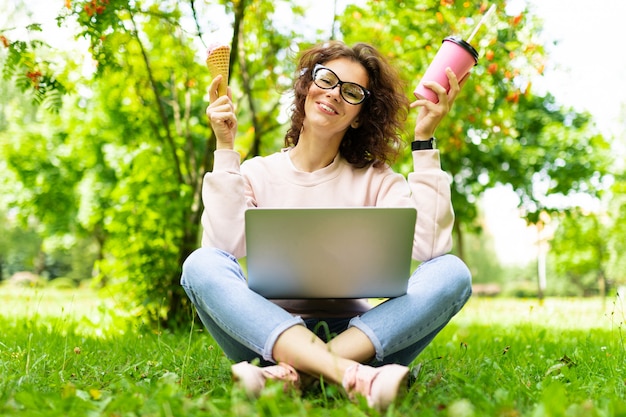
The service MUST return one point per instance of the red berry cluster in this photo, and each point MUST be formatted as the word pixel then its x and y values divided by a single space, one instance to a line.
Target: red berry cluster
pixel 96 7
pixel 34 76
pixel 5 41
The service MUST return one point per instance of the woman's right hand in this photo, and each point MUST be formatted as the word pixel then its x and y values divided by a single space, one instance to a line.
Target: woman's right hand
pixel 221 114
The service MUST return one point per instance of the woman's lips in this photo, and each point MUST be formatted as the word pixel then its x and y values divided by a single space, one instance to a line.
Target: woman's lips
pixel 326 108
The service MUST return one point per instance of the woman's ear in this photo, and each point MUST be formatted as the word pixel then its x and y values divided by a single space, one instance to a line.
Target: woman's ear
pixel 354 124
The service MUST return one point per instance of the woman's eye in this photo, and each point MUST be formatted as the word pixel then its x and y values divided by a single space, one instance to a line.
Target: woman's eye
pixel 326 80
pixel 353 93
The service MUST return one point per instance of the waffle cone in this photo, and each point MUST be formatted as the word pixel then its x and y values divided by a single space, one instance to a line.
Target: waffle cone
pixel 217 62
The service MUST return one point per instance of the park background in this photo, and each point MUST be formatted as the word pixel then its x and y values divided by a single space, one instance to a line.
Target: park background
pixel 103 143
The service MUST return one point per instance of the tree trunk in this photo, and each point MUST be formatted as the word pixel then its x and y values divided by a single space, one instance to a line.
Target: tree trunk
pixel 178 302
pixel 602 284
pixel 458 232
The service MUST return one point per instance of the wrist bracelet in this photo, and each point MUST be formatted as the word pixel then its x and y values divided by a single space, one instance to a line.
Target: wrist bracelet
pixel 419 145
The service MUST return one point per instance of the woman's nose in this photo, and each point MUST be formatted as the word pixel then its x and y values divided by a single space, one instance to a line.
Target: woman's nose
pixel 334 92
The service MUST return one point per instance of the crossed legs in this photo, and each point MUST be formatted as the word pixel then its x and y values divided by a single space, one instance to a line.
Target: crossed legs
pixel 307 353
pixel 247 325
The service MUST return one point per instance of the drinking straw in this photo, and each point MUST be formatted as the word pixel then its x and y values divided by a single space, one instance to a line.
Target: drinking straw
pixel 482 21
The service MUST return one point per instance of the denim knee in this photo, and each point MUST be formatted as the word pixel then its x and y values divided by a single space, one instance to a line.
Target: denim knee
pixel 459 283
pixel 200 264
pixel 458 286
pixel 463 277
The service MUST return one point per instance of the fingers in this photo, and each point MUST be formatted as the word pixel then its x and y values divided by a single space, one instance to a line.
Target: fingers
pixel 455 87
pixel 464 80
pixel 214 88
pixel 431 114
pixel 442 106
pixel 445 97
pixel 221 111
pixel 221 115
pixel 219 107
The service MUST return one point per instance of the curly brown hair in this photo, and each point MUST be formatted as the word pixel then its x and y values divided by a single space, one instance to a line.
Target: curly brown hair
pixel 378 138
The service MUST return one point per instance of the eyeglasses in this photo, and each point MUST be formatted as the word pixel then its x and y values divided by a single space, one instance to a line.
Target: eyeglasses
pixel 326 79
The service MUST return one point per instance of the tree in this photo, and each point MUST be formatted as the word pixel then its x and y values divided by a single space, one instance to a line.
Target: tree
pixel 141 140
pixel 131 145
pixel 498 131
pixel 584 264
pixel 616 234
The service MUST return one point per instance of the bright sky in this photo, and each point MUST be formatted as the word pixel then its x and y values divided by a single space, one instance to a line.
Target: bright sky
pixel 588 65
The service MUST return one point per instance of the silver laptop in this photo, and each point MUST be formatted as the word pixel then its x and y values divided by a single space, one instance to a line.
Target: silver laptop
pixel 329 252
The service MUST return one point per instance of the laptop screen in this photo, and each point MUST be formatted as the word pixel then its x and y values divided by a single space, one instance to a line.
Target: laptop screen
pixel 360 252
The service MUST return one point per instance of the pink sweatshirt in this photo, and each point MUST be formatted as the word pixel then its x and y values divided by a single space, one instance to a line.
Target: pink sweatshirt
pixel 273 181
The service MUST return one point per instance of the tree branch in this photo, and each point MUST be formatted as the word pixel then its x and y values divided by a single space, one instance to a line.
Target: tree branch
pixel 161 108
pixel 192 4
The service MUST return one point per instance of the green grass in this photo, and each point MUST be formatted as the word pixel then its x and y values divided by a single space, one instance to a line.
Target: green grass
pixel 72 353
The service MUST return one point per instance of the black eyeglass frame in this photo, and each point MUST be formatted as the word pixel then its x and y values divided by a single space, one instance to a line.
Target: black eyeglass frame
pixel 366 92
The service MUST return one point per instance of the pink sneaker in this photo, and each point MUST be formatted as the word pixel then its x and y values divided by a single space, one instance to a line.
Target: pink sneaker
pixel 380 386
pixel 252 378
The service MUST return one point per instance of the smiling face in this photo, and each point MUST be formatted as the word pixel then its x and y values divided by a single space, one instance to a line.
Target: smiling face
pixel 381 117
pixel 326 112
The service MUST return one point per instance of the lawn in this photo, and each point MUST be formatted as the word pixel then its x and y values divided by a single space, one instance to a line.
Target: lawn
pixel 73 353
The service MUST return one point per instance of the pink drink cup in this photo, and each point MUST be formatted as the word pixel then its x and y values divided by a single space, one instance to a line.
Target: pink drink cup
pixel 455 53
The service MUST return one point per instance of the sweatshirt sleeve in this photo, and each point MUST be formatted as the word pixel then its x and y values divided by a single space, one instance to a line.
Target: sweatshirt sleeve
pixel 431 196
pixel 225 197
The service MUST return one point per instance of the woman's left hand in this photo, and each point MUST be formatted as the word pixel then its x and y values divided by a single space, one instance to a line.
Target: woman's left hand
pixel 431 114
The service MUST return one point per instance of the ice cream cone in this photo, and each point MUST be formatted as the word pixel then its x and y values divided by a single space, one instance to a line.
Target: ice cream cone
pixel 217 61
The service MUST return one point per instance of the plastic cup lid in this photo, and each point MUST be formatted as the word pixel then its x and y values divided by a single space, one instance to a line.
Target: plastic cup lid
pixel 469 48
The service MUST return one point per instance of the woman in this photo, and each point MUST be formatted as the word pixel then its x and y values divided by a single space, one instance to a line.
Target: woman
pixel 345 128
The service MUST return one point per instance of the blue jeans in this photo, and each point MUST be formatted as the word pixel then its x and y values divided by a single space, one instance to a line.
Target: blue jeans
pixel 246 325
